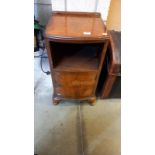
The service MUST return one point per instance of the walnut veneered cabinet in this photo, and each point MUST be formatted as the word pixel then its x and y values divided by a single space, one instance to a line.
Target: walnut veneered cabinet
pixel 76 43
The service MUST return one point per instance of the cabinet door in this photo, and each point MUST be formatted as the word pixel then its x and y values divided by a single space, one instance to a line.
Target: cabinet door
pixel 74 84
pixel 75 92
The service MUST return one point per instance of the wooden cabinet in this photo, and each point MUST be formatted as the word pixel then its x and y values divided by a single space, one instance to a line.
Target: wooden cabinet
pixel 76 44
pixel 113 63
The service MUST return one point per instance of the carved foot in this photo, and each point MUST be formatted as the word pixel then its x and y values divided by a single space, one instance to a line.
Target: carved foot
pixel 92 101
pixel 56 100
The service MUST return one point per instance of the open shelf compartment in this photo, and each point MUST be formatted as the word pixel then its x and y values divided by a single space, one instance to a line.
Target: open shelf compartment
pixel 70 56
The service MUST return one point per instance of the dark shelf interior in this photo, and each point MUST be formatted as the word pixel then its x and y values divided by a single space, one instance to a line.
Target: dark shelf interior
pixel 67 56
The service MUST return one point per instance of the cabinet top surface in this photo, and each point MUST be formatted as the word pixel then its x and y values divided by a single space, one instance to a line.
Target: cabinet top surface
pixel 76 25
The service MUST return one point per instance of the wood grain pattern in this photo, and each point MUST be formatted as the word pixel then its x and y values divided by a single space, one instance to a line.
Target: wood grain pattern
pixel 75 92
pixel 71 26
pixel 75 59
pixel 74 78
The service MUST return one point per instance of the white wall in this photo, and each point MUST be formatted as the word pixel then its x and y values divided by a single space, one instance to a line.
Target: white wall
pixel 43 8
pixel 82 5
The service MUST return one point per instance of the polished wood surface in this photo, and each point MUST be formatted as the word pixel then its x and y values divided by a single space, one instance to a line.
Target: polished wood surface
pixel 75 58
pixel 77 26
pixel 74 78
pixel 115 43
pixel 113 63
pixel 74 84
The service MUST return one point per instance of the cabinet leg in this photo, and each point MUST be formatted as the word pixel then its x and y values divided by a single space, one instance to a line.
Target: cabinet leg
pixel 92 101
pixel 56 100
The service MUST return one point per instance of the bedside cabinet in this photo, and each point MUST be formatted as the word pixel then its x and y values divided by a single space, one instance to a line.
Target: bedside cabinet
pixel 76 43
